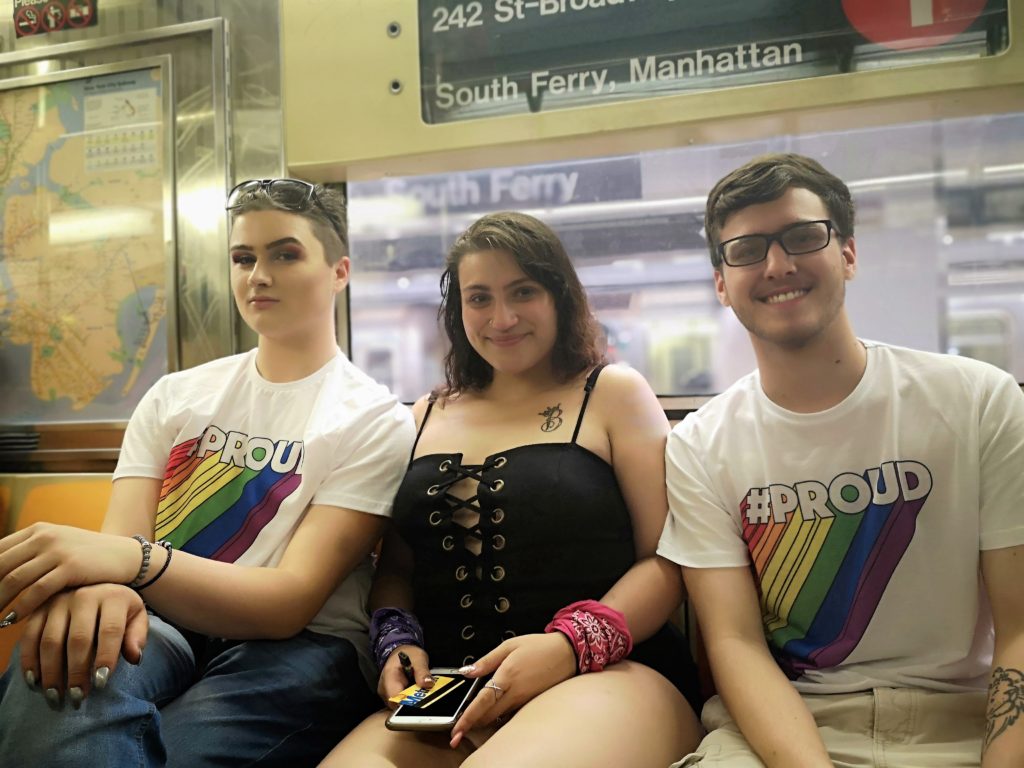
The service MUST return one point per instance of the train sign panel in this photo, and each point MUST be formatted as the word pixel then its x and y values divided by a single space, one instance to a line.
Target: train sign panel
pixel 487 58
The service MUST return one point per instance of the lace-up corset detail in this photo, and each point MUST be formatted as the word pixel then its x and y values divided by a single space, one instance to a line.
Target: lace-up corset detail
pixel 535 527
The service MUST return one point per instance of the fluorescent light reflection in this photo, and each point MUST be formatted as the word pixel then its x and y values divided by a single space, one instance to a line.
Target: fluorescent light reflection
pixel 82 226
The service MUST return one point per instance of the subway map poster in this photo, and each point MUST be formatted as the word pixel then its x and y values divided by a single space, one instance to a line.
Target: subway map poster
pixel 84 254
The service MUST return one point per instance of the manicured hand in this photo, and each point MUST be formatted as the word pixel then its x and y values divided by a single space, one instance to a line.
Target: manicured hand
pixel 393 679
pixel 72 643
pixel 44 559
pixel 523 668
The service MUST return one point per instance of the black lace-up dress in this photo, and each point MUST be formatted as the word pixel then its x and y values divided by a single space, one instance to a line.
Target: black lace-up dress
pixel 550 527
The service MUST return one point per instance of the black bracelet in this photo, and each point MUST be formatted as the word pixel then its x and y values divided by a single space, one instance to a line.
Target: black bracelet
pixel 166 545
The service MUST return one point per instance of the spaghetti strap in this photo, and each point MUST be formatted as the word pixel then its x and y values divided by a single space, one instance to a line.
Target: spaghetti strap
pixel 430 406
pixel 587 389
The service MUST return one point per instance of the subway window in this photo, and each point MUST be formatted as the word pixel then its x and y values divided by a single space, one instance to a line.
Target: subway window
pixel 940 244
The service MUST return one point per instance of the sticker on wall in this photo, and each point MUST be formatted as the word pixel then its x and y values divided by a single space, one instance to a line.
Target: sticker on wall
pixel 38 17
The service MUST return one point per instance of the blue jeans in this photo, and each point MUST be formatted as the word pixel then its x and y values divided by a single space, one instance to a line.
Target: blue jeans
pixel 255 703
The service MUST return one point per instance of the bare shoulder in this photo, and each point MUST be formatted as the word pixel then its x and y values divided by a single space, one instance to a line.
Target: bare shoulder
pixel 621 386
pixel 419 409
pixel 622 378
pixel 441 403
pixel 624 398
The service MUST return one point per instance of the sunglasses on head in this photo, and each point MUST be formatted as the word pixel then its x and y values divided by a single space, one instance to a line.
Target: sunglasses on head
pixel 290 194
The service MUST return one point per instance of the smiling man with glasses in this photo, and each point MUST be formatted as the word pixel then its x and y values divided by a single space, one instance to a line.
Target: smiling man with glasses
pixel 847 517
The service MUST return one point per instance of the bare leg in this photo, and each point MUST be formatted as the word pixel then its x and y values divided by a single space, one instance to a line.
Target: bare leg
pixel 625 715
pixel 371 745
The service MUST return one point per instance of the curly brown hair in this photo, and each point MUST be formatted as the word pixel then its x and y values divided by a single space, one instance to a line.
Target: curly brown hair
pixel 540 254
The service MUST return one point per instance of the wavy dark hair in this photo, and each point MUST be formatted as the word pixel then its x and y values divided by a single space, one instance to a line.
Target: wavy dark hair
pixel 767 178
pixel 541 255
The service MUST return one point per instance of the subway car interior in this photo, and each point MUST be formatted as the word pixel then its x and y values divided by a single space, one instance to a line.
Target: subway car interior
pixel 124 123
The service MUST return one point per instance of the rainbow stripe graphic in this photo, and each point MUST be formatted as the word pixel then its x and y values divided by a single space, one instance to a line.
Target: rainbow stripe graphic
pixel 215 509
pixel 822 578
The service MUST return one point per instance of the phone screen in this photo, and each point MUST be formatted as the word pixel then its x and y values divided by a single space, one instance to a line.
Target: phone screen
pixel 441 708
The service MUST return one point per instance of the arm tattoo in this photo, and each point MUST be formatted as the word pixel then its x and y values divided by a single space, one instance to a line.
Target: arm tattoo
pixel 552 418
pixel 1005 702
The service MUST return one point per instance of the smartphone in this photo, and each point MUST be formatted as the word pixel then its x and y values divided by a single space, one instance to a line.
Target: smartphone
pixel 437 711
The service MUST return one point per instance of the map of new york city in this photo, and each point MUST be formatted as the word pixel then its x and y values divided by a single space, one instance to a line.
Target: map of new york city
pixel 83 261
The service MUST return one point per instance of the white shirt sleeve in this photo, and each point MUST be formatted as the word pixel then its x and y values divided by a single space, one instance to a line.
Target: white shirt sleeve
pixel 372 459
pixel 700 531
pixel 1002 462
pixel 149 437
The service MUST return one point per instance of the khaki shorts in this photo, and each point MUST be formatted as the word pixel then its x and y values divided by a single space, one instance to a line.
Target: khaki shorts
pixel 882 728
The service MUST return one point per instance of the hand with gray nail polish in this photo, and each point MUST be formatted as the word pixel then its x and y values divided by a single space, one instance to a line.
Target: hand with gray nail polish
pixel 100 677
pixel 53 699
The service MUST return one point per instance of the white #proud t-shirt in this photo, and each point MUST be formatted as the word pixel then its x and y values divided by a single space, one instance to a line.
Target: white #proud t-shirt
pixel 242 458
pixel 862 523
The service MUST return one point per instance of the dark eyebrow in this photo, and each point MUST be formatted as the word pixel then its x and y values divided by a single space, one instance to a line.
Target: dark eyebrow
pixel 274 244
pixel 513 284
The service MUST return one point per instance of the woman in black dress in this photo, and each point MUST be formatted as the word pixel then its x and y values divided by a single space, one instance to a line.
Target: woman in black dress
pixel 537 480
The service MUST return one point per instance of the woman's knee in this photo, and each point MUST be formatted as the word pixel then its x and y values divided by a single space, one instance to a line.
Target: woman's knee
pixel 372 745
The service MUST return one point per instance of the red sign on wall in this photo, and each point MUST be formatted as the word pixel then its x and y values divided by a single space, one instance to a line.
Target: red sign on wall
pixel 906 24
pixel 37 17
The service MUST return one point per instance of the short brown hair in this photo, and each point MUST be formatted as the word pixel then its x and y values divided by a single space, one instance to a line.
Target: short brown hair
pixel 540 254
pixel 767 178
pixel 326 213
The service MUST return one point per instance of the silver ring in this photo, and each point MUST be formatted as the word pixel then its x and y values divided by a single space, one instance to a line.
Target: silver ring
pixel 498 690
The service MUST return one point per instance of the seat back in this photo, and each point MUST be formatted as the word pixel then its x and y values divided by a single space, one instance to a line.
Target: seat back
pixel 79 500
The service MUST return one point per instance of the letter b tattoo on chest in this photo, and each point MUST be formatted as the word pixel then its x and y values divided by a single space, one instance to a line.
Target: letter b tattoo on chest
pixel 552 418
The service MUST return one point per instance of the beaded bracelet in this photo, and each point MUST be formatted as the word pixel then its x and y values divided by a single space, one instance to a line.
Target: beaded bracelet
pixel 170 548
pixel 598 634
pixel 147 549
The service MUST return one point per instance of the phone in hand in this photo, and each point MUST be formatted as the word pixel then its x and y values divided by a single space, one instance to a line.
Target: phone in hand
pixel 440 707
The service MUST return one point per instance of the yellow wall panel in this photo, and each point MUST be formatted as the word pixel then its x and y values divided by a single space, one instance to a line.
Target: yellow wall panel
pixel 343 122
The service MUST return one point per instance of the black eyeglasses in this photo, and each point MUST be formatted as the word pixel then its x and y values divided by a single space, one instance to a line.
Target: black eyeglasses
pixel 796 240
pixel 290 194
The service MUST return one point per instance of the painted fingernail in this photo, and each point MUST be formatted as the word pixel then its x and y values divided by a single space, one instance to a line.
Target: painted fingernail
pixel 100 677
pixel 53 699
pixel 467 669
pixel 9 619
pixel 30 678
pixel 75 696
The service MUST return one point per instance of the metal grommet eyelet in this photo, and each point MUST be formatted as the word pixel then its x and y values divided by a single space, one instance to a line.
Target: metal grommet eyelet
pixel 497 573
pixel 500 462
pixel 448 543
pixel 461 573
pixel 433 490
pixel 468 633
pixel 508 634
pixel 435 517
pixel 468 660
pixel 498 541
pixel 466 601
pixel 497 485
pixel 445 465
pixel 497 515
pixel 502 605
